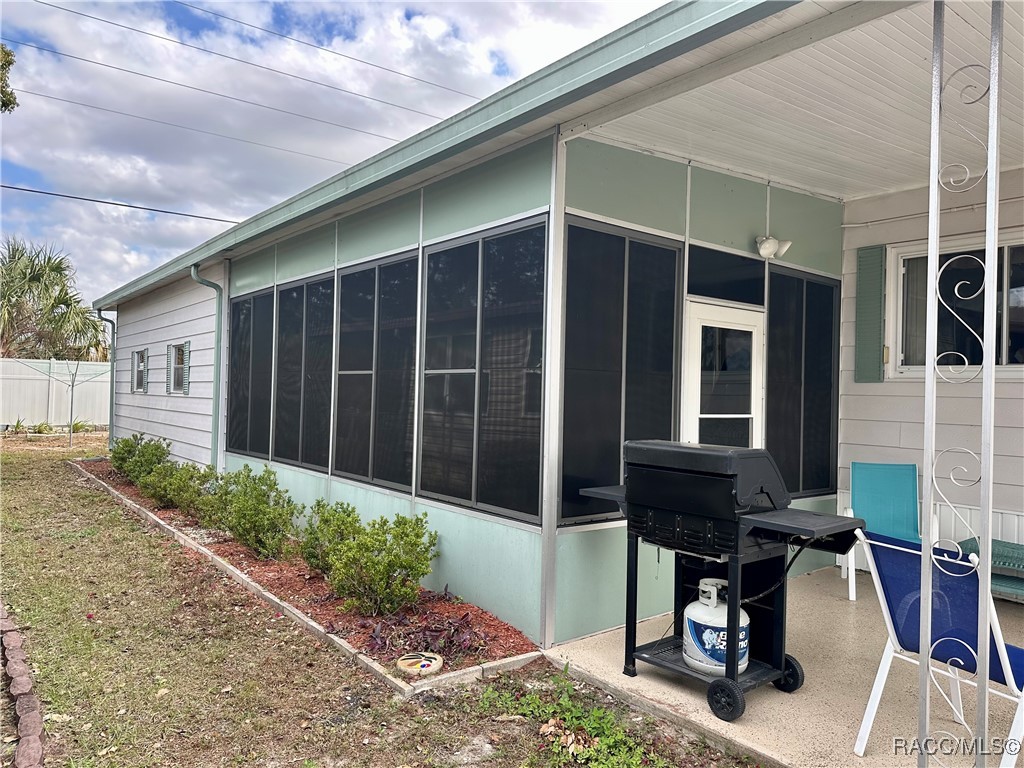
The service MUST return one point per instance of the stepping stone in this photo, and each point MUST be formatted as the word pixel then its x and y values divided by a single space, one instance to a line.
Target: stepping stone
pixel 419 664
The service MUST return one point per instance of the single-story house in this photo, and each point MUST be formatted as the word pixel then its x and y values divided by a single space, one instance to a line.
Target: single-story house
pixel 471 323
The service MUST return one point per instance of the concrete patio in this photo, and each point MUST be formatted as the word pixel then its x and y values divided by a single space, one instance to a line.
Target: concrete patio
pixel 839 643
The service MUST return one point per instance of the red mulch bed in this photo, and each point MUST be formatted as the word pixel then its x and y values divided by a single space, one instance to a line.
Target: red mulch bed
pixel 293 581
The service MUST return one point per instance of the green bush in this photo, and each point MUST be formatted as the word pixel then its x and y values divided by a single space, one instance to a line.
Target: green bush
pixel 42 428
pixel 379 569
pixel 258 513
pixel 178 485
pixel 328 525
pixel 124 450
pixel 213 503
pixel 135 456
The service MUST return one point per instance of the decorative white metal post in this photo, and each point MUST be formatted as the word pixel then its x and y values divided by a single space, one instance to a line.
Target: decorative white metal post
pixel 973 467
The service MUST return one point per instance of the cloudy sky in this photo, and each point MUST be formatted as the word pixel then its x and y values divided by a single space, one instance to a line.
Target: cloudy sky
pixel 83 68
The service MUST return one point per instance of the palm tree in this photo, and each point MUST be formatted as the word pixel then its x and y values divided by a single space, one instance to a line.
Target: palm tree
pixel 41 313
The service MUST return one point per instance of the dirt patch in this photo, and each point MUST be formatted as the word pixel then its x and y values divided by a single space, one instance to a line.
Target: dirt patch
pixel 293 581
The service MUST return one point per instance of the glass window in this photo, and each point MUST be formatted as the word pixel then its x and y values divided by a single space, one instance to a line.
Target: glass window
pixel 482 411
pixel 178 368
pixel 139 369
pixel 721 275
pixel 961 279
pixel 801 396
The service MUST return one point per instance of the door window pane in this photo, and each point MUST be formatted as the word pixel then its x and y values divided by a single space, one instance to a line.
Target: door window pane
pixel 452 289
pixel 650 342
pixel 316 388
pixel 238 373
pixel 727 276
pixel 592 402
pixel 262 373
pixel 725 380
pixel 448 405
pixel 512 353
pixel 288 412
pixel 396 361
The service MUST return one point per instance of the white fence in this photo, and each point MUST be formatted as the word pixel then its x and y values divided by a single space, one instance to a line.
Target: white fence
pixel 40 390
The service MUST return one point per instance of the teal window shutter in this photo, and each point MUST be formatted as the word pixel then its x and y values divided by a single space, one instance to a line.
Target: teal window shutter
pixel 145 371
pixel 184 372
pixel 869 327
pixel 170 363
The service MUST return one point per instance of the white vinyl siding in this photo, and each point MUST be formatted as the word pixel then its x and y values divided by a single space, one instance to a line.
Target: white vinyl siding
pixel 181 313
pixel 883 422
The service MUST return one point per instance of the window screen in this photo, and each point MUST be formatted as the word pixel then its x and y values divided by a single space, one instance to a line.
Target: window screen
pixel 483 355
pixel 801 370
pixel 250 357
pixel 288 406
pixel 316 383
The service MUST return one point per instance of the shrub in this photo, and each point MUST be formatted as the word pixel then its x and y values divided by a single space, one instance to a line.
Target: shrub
pixel 212 504
pixel 80 425
pixel 379 569
pixel 258 513
pixel 124 450
pixel 147 456
pixel 156 485
pixel 326 528
pixel 42 428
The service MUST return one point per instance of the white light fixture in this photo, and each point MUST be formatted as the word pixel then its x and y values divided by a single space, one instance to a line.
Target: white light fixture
pixel 769 248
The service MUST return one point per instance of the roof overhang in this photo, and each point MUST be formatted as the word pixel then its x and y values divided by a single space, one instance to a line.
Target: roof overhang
pixel 491 124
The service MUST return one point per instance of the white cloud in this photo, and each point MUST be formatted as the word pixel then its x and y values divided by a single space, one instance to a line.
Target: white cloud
pixel 81 151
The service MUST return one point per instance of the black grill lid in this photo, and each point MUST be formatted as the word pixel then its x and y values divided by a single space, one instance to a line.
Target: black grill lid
pixel 753 469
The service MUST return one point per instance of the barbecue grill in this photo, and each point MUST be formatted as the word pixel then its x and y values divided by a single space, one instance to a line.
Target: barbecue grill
pixel 725 513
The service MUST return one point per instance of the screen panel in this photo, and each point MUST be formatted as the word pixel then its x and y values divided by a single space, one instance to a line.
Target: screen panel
pixel 356 324
pixel 239 364
pixel 352 433
pixel 447 457
pixel 720 275
pixel 784 375
pixel 508 468
pixel 819 464
pixel 288 413
pixel 316 385
pixel 452 288
pixel 262 373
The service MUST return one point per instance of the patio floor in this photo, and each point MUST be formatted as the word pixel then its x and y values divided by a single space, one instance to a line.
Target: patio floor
pixel 839 643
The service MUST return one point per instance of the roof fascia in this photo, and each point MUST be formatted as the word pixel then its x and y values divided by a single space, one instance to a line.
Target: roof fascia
pixel 660 36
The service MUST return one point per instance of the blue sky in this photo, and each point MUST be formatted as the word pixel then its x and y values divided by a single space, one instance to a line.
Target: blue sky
pixel 79 149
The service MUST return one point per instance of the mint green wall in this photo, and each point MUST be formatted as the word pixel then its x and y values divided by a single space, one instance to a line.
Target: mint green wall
pixel 726 210
pixel 306 254
pixel 591 581
pixel 304 486
pixel 252 272
pixel 511 184
pixel 488 563
pixel 810 560
pixel 381 229
pixel 815 227
pixel 624 185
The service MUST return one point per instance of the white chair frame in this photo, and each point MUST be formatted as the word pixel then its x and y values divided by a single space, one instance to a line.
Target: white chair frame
pixel 893 650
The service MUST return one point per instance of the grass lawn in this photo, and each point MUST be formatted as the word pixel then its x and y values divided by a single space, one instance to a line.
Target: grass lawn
pixel 145 655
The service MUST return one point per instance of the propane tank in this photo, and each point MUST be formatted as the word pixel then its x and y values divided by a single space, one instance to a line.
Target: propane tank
pixel 705 633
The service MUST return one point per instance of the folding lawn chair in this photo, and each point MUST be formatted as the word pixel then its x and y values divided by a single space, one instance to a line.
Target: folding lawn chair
pixel 896 571
pixel 884 496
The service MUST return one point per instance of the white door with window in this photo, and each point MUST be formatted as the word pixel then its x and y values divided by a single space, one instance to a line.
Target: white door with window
pixel 723 376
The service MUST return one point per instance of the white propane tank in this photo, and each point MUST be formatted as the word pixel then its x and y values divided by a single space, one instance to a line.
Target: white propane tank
pixel 705 635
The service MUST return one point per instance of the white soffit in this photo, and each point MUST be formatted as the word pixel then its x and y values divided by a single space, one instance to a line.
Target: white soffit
pixel 846 117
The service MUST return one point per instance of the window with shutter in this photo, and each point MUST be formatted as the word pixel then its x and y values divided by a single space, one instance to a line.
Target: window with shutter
pixel 870 319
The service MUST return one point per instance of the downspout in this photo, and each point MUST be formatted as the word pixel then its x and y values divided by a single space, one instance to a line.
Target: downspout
pixel 112 354
pixel 218 330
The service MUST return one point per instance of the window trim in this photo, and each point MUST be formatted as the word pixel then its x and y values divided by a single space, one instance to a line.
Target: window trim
pixel 179 389
pixel 137 355
pixel 895 255
pixel 478 237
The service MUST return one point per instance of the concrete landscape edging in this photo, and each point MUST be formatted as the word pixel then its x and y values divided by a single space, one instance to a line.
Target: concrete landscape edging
pixel 28 711
pixel 401 688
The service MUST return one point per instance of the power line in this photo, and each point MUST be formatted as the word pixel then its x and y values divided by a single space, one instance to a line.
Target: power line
pixel 196 88
pixel 183 127
pixel 240 61
pixel 119 205
pixel 326 50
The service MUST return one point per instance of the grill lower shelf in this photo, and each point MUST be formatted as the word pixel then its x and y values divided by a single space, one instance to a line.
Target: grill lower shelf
pixel 667 653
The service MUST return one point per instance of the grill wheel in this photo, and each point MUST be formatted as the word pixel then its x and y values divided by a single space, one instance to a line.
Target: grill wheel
pixel 726 699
